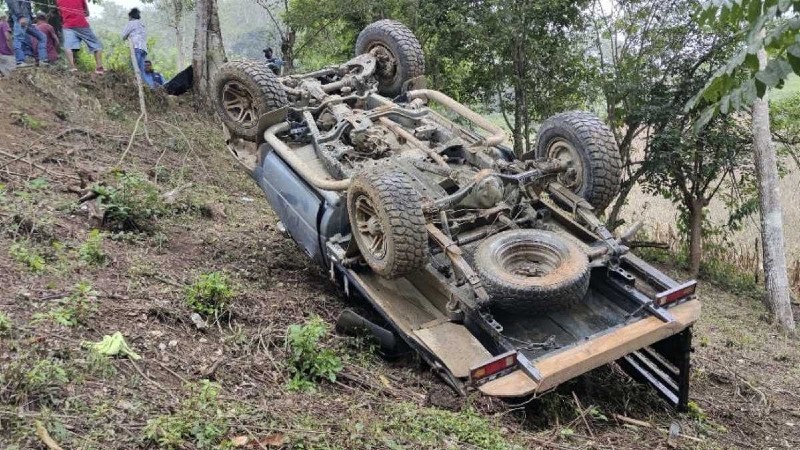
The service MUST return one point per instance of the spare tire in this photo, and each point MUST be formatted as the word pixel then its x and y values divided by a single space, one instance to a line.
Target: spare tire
pixel 532 271
pixel 399 54
pixel 387 222
pixel 588 146
pixel 244 91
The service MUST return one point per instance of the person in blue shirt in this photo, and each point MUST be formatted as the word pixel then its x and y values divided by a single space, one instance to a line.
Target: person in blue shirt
pixel 151 77
pixel 274 63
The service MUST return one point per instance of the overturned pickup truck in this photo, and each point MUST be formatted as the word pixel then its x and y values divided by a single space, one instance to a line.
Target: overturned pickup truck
pixel 495 268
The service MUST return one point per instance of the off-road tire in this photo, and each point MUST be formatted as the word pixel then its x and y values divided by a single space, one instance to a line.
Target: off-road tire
pixel 398 209
pixel 404 46
pixel 260 83
pixel 594 141
pixel 563 285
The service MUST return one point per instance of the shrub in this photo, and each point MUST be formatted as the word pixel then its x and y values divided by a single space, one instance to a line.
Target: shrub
pixel 209 294
pixel 132 204
pixel 5 324
pixel 75 309
pixel 27 256
pixel 28 378
pixel 199 420
pixel 91 251
pixel 308 360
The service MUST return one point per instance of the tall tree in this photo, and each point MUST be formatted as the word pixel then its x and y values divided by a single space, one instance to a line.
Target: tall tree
pixel 775 26
pixel 175 11
pixel 208 53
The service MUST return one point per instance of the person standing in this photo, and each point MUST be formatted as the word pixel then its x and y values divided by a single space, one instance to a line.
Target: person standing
pixel 135 31
pixel 77 30
pixel 20 11
pixel 7 62
pixel 52 37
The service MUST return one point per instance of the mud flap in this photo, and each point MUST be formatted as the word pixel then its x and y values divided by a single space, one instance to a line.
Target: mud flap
pixel 665 366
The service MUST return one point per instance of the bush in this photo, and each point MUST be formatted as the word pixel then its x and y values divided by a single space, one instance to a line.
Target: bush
pixel 28 379
pixel 133 204
pixel 308 361
pixel 75 309
pixel 5 324
pixel 199 420
pixel 209 294
pixel 91 251
pixel 27 256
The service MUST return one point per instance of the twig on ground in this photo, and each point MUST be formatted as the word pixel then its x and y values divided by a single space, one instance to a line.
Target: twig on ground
pixel 630 421
pixel 583 414
pixel 152 381
pixel 33 164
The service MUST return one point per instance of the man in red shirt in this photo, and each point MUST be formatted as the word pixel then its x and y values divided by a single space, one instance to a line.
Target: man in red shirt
pixel 50 33
pixel 77 30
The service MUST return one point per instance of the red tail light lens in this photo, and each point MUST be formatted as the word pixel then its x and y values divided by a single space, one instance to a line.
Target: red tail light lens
pixel 494 366
pixel 677 293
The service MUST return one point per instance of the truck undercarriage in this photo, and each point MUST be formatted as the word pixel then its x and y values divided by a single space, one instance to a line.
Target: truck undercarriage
pixel 495 268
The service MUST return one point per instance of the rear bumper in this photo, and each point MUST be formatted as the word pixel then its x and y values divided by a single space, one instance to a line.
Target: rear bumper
pixel 573 361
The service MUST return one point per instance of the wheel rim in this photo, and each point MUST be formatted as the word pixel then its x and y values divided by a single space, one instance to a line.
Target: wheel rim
pixel 239 104
pixel 565 152
pixel 528 259
pixel 369 228
pixel 386 64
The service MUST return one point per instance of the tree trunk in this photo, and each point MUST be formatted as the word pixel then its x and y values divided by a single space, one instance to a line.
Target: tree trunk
pixel 208 53
pixel 695 236
pixel 776 277
pixel 287 51
pixel 177 20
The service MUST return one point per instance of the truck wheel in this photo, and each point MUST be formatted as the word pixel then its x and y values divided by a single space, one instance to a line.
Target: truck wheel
pixel 244 91
pixel 532 271
pixel 398 52
pixel 587 145
pixel 387 222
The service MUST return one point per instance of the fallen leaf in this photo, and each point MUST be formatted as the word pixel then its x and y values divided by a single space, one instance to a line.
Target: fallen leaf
pixel 240 441
pixel 385 381
pixel 273 440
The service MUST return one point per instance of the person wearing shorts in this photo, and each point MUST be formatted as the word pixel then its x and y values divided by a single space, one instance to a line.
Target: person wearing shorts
pixel 77 30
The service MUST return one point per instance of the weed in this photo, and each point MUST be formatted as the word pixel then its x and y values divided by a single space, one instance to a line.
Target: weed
pixel 27 256
pixel 91 251
pixel 99 364
pixel 694 411
pixel 210 294
pixel 133 204
pixel 115 112
pixel 75 309
pixel 199 420
pixel 430 427
pixel 26 121
pixel 29 378
pixel 5 324
pixel 308 360
pixel 38 184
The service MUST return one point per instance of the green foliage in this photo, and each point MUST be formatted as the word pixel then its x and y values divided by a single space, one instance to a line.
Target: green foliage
pixel 694 411
pixel 99 364
pixel 430 427
pixel 308 361
pixel 76 309
pixel 5 324
pixel 209 294
pixel 28 378
pixel 133 203
pixel 198 422
pixel 27 121
pixel 772 26
pixel 91 251
pixel 28 256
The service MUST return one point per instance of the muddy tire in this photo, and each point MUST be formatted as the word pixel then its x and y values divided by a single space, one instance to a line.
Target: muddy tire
pixel 398 51
pixel 244 91
pixel 387 223
pixel 588 145
pixel 532 271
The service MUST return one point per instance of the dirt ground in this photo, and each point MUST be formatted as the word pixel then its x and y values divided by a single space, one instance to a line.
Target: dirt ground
pixel 61 133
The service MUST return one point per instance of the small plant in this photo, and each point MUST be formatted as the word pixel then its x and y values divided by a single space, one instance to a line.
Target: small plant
pixel 27 256
pixel 199 420
pixel 91 251
pixel 210 294
pixel 75 309
pixel 133 204
pixel 26 121
pixel 99 364
pixel 38 184
pixel 29 378
pixel 5 324
pixel 308 360
pixel 694 411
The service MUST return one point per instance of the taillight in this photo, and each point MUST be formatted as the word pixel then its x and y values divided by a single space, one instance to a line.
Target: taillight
pixel 677 293
pixel 494 366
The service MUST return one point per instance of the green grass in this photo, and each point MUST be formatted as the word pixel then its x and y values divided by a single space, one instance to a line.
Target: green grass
pixel 790 87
